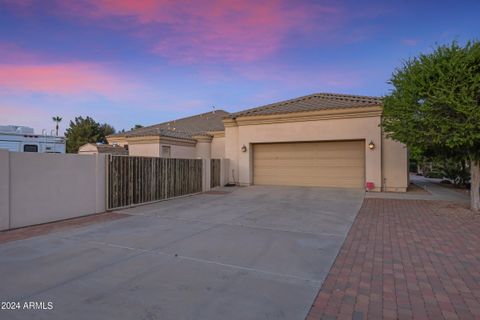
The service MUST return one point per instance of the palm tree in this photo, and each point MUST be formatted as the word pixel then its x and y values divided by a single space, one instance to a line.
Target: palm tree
pixel 57 120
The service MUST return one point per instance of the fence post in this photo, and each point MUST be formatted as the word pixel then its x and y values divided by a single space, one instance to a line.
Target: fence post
pixel 206 174
pixel 101 182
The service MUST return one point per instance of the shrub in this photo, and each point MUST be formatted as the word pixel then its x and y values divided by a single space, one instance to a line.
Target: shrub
pixel 456 171
pixel 434 174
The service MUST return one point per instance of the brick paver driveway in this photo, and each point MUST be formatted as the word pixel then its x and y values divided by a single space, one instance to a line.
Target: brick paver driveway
pixel 405 259
pixel 254 253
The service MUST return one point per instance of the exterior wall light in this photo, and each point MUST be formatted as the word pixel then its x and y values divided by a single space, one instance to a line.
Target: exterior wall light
pixel 371 145
pixel 244 148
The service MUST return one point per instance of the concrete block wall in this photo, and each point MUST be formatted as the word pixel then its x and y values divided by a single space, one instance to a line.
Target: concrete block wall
pixel 37 188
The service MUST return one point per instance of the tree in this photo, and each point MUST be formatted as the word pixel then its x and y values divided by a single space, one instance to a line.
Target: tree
pixel 86 130
pixel 105 130
pixel 57 121
pixel 434 107
pixel 137 126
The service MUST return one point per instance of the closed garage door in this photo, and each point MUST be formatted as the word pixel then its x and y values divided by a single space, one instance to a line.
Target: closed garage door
pixel 325 164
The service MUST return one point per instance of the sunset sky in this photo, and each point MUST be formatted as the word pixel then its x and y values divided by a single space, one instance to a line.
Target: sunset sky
pixel 128 62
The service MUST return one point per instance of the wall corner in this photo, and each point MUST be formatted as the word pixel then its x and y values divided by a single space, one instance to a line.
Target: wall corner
pixel 224 169
pixel 100 185
pixel 4 189
pixel 206 174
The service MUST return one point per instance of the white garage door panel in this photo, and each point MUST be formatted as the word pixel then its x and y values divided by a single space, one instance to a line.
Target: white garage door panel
pixel 329 164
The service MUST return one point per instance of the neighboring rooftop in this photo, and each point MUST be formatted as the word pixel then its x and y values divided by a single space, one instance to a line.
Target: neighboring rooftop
pixel 183 128
pixel 313 102
pixel 103 148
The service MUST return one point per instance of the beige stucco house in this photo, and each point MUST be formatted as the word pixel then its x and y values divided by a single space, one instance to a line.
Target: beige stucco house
pixel 199 136
pixel 331 140
pixel 316 140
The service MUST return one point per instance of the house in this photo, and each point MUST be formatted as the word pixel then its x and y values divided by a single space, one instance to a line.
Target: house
pixel 199 136
pixel 331 140
pixel 95 148
pixel 321 139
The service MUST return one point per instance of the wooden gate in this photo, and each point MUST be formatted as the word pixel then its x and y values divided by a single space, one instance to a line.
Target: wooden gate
pixel 215 173
pixel 136 180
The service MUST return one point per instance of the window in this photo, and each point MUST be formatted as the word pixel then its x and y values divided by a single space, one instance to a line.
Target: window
pixel 30 148
pixel 165 151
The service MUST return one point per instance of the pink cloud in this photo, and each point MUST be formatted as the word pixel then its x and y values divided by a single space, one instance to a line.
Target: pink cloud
pixel 213 30
pixel 60 78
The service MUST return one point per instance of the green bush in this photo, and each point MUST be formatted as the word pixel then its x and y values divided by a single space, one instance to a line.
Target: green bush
pixel 456 171
pixel 413 166
pixel 434 174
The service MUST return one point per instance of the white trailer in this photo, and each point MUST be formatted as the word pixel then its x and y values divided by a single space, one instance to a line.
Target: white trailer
pixel 23 139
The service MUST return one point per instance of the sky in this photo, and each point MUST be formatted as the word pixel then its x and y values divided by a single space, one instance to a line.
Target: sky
pixel 127 62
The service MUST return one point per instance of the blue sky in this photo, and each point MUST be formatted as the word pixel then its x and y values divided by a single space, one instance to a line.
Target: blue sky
pixel 143 62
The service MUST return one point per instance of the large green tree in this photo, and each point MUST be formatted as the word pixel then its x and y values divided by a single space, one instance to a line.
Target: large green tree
pixel 434 107
pixel 86 130
pixel 105 130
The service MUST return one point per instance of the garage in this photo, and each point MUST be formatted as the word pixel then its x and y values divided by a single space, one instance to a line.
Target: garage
pixel 324 164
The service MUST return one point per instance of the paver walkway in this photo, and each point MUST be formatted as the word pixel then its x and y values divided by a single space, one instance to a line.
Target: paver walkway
pixel 405 259
pixel 435 192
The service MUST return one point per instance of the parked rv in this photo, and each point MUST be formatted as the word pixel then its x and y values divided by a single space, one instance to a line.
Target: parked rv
pixel 23 139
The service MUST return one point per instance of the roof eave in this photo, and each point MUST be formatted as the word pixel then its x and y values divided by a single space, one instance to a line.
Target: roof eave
pixel 159 136
pixel 323 114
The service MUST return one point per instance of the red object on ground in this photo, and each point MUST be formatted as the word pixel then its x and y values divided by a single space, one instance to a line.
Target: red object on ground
pixel 370 186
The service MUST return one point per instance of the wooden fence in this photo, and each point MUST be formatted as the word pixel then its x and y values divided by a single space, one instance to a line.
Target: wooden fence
pixel 135 180
pixel 215 173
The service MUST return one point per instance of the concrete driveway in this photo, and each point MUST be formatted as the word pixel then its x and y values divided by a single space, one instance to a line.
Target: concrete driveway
pixel 251 253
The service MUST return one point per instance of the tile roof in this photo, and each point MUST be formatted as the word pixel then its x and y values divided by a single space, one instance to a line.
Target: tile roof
pixel 110 149
pixel 183 128
pixel 173 133
pixel 313 102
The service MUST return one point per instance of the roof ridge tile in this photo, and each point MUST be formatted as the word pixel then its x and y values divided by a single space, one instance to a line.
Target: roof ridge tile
pixel 349 101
